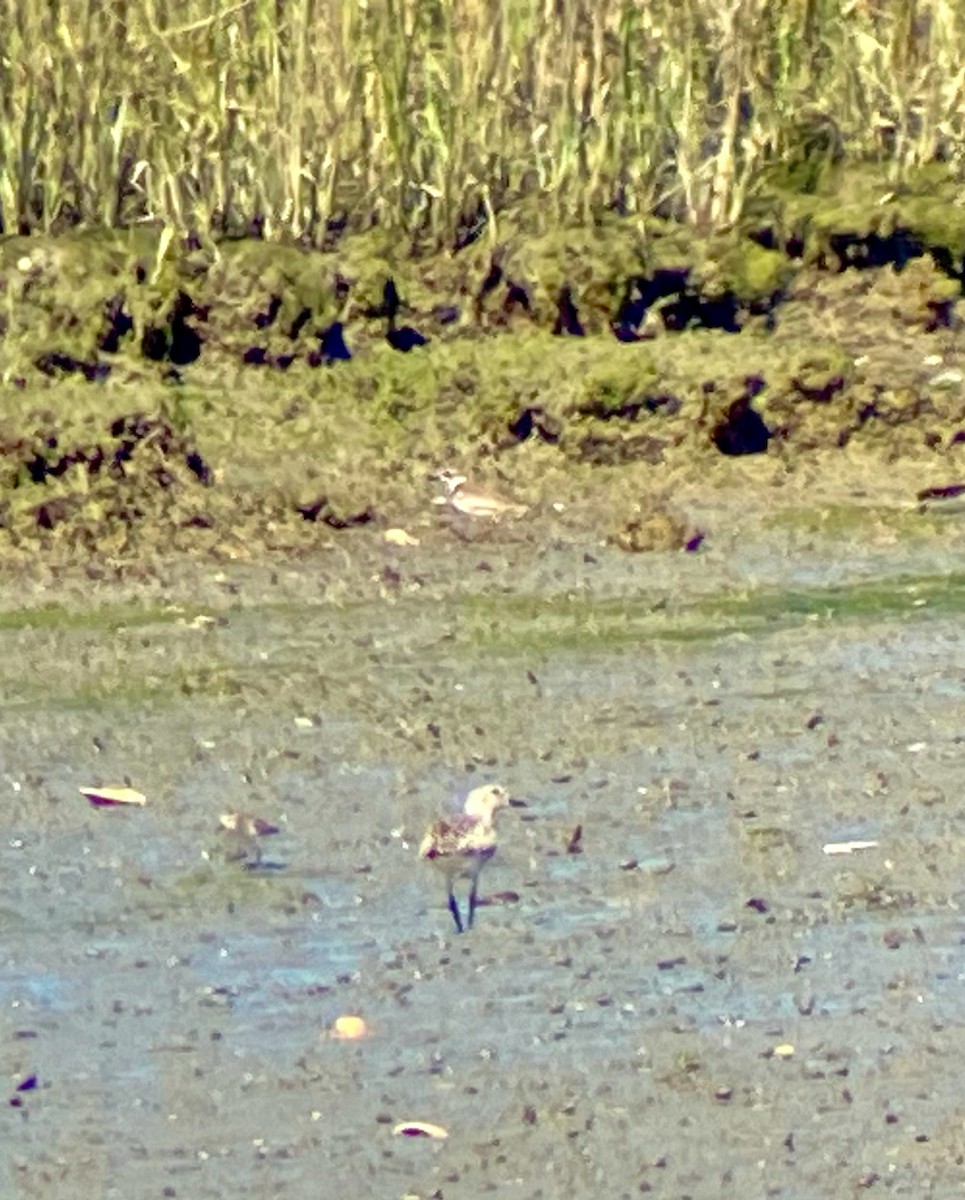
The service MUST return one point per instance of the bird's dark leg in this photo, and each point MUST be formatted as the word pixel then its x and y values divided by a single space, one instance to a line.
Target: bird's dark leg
pixel 472 903
pixel 454 909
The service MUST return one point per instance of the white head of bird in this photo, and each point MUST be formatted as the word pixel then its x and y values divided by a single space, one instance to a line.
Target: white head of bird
pixel 451 480
pixel 482 802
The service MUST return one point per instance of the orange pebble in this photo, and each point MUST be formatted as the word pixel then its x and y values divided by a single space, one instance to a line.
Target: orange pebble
pixel 349 1028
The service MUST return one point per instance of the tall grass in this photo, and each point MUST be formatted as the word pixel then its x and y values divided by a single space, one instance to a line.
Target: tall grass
pixel 421 114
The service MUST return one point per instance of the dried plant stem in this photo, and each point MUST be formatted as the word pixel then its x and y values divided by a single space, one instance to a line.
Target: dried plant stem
pixel 416 113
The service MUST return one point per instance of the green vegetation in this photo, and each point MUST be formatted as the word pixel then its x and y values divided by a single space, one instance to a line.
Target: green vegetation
pixel 103 618
pixel 428 115
pixel 518 624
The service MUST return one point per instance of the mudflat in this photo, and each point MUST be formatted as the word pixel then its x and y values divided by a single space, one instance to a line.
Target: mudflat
pixel 699 1002
pixel 711 633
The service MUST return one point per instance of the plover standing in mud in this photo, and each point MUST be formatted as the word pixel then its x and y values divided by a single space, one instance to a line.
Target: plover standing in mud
pixel 461 847
pixel 246 832
pixel 473 503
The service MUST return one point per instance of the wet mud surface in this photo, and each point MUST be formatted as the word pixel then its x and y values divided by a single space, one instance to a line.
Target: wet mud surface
pixel 699 1003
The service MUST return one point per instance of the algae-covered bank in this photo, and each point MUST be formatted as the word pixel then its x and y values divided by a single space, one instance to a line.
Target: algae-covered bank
pixel 224 400
pixel 714 638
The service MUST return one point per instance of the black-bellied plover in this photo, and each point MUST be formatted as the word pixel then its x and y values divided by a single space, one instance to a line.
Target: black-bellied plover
pixel 472 502
pixel 246 832
pixel 462 846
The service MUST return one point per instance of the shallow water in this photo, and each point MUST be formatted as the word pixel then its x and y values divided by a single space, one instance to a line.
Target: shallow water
pixel 713 720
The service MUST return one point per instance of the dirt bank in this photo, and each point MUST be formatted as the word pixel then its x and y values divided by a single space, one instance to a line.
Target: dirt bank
pixel 247 399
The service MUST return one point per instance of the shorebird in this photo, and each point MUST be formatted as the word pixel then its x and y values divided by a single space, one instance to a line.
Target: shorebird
pixel 473 503
pixel 461 847
pixel 246 832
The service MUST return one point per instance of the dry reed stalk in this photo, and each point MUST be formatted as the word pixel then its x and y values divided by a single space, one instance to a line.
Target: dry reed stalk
pixel 417 112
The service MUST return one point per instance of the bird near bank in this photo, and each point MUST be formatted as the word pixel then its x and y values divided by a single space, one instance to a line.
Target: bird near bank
pixel 461 846
pixel 473 502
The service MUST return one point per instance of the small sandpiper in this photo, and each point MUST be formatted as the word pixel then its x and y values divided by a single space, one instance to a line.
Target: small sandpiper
pixel 461 847
pixel 246 832
pixel 474 503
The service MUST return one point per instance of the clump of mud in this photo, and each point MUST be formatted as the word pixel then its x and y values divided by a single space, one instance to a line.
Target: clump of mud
pixel 100 489
pixel 657 526
pixel 137 485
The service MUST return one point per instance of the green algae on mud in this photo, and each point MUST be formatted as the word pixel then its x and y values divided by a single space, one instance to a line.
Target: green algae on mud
pixel 507 625
pixel 848 521
pixel 479 623
pixel 106 617
pixel 226 887
pixel 115 691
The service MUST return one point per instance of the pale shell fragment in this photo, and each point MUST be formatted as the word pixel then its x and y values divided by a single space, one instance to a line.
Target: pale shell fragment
pixel 420 1129
pixel 202 621
pixel 111 797
pixel 400 537
pixel 847 847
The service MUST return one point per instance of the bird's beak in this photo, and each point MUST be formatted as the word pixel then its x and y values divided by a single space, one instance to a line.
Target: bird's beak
pixel 518 802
